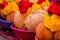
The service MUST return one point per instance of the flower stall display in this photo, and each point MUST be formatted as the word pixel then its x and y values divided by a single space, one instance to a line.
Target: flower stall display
pixel 27 17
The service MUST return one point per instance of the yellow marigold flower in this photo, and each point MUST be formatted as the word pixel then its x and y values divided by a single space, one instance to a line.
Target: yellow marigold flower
pixel 1 1
pixel 52 22
pixel 17 1
pixel 11 7
pixel 46 3
pixel 36 7
pixel 6 10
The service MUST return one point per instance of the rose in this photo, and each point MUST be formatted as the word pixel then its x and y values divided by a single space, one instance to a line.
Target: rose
pixel 24 5
pixel 54 8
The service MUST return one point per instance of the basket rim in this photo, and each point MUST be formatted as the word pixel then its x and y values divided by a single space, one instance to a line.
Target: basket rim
pixel 36 38
pixel 5 21
pixel 12 27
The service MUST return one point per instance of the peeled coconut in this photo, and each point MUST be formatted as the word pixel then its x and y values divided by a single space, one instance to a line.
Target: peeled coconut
pixel 42 12
pixel 33 20
pixel 29 22
pixel 43 33
pixel 18 20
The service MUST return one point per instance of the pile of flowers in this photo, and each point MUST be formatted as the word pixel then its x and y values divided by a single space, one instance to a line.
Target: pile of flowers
pixel 50 28
pixel 8 7
pixel 53 15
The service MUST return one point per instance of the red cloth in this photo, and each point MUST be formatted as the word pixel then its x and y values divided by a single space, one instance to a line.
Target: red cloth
pixel 54 8
pixel 24 5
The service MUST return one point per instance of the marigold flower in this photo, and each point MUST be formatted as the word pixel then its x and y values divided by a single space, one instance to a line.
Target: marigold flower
pixel 1 1
pixel 11 7
pixel 36 6
pixel 52 22
pixel 45 3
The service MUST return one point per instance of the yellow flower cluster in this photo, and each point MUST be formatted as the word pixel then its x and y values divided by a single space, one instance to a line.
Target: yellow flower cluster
pixel 1 1
pixel 11 7
pixel 52 22
pixel 46 3
pixel 36 6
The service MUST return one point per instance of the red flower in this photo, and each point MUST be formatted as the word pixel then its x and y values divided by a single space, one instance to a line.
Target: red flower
pixel 54 8
pixel 24 5
pixel 40 1
pixel 4 4
pixel 23 10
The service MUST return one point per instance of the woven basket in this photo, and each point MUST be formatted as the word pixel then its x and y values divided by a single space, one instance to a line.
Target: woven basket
pixel 5 24
pixel 0 27
pixel 23 34
pixel 36 38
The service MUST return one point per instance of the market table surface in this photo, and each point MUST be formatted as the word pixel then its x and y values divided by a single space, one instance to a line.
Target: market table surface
pixel 6 36
pixel 2 38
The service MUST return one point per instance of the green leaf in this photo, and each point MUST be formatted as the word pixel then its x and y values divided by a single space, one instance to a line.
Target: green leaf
pixel 50 14
pixel 10 0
